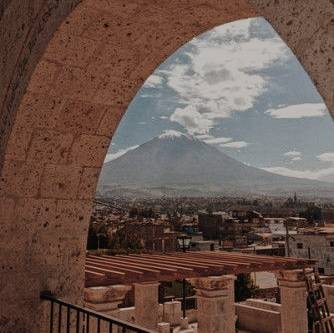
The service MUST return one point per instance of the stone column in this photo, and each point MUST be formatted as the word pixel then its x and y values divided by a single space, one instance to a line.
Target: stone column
pixel 215 304
pixel 105 299
pixel 293 301
pixel 146 304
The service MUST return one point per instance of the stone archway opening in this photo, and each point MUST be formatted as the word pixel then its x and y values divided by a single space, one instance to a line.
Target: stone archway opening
pixel 51 155
pixel 123 132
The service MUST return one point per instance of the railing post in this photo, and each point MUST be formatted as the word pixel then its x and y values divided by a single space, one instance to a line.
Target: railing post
pixel 81 314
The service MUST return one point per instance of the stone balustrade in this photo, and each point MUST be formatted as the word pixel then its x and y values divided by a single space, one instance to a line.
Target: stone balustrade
pixel 216 311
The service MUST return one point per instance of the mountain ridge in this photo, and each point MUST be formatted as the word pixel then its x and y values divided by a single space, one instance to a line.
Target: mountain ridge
pixel 179 160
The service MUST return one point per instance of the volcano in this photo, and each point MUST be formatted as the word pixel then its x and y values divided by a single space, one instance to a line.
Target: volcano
pixel 180 164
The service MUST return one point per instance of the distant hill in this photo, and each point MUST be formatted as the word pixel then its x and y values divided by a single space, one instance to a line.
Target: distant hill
pixel 179 164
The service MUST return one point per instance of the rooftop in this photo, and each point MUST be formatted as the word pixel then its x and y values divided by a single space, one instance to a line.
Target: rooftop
pixel 316 231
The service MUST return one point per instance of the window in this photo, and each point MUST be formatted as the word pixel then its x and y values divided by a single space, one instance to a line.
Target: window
pixel 299 245
pixel 321 270
pixel 331 243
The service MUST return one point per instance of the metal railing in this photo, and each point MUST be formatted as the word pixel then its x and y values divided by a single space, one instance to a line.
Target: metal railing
pixel 190 302
pixel 70 318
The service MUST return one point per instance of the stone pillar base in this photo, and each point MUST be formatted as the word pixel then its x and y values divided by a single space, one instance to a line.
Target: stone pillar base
pixel 215 304
pixel 293 301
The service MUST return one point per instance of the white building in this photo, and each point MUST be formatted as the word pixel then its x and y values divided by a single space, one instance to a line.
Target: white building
pixel 315 243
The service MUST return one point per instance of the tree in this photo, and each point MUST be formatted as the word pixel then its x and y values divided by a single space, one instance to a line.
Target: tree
pixel 312 213
pixel 97 237
pixel 92 239
pixel 244 287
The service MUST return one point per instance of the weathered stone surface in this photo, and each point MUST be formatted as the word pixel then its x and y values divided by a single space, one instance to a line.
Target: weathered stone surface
pixel 89 150
pixel 106 294
pixel 184 323
pixel 31 107
pixel 215 304
pixel 20 179
pixel 293 301
pixel 92 67
pixel 60 181
pixel 80 117
pixel 329 294
pixel 49 146
pixel 87 186
pixel 172 312
pixel 163 327
pixel 293 277
pixel 146 304
pixel 7 208
pixel 212 284
pixel 255 319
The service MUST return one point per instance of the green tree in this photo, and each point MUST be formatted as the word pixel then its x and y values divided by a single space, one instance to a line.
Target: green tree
pixel 244 287
pixel 312 213
pixel 92 239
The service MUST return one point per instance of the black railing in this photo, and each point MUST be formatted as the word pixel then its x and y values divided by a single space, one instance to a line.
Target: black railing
pixel 70 318
pixel 190 302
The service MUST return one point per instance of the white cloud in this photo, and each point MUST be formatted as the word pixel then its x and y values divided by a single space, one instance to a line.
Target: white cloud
pixel 210 139
pixel 321 174
pixel 204 136
pixel 298 111
pixel 168 134
pixel 192 120
pixel 163 117
pixel 222 76
pixel 113 156
pixel 151 95
pixel 235 144
pixel 326 157
pixel 293 153
pixel 214 141
pixel 153 81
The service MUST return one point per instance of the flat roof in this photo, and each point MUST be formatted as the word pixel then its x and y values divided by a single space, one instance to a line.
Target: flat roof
pixel 132 268
pixel 316 231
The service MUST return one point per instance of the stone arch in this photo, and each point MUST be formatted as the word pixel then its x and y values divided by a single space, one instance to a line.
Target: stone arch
pixel 61 99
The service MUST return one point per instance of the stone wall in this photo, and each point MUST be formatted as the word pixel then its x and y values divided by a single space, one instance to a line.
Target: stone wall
pixel 329 294
pixel 260 304
pixel 67 75
pixel 256 319
pixel 55 137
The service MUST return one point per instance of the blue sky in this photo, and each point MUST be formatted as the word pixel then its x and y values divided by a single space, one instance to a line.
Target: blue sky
pixel 241 89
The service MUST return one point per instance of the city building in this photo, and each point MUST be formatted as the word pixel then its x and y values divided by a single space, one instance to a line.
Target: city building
pixel 151 235
pixel 248 216
pixel 315 243
pixel 222 227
